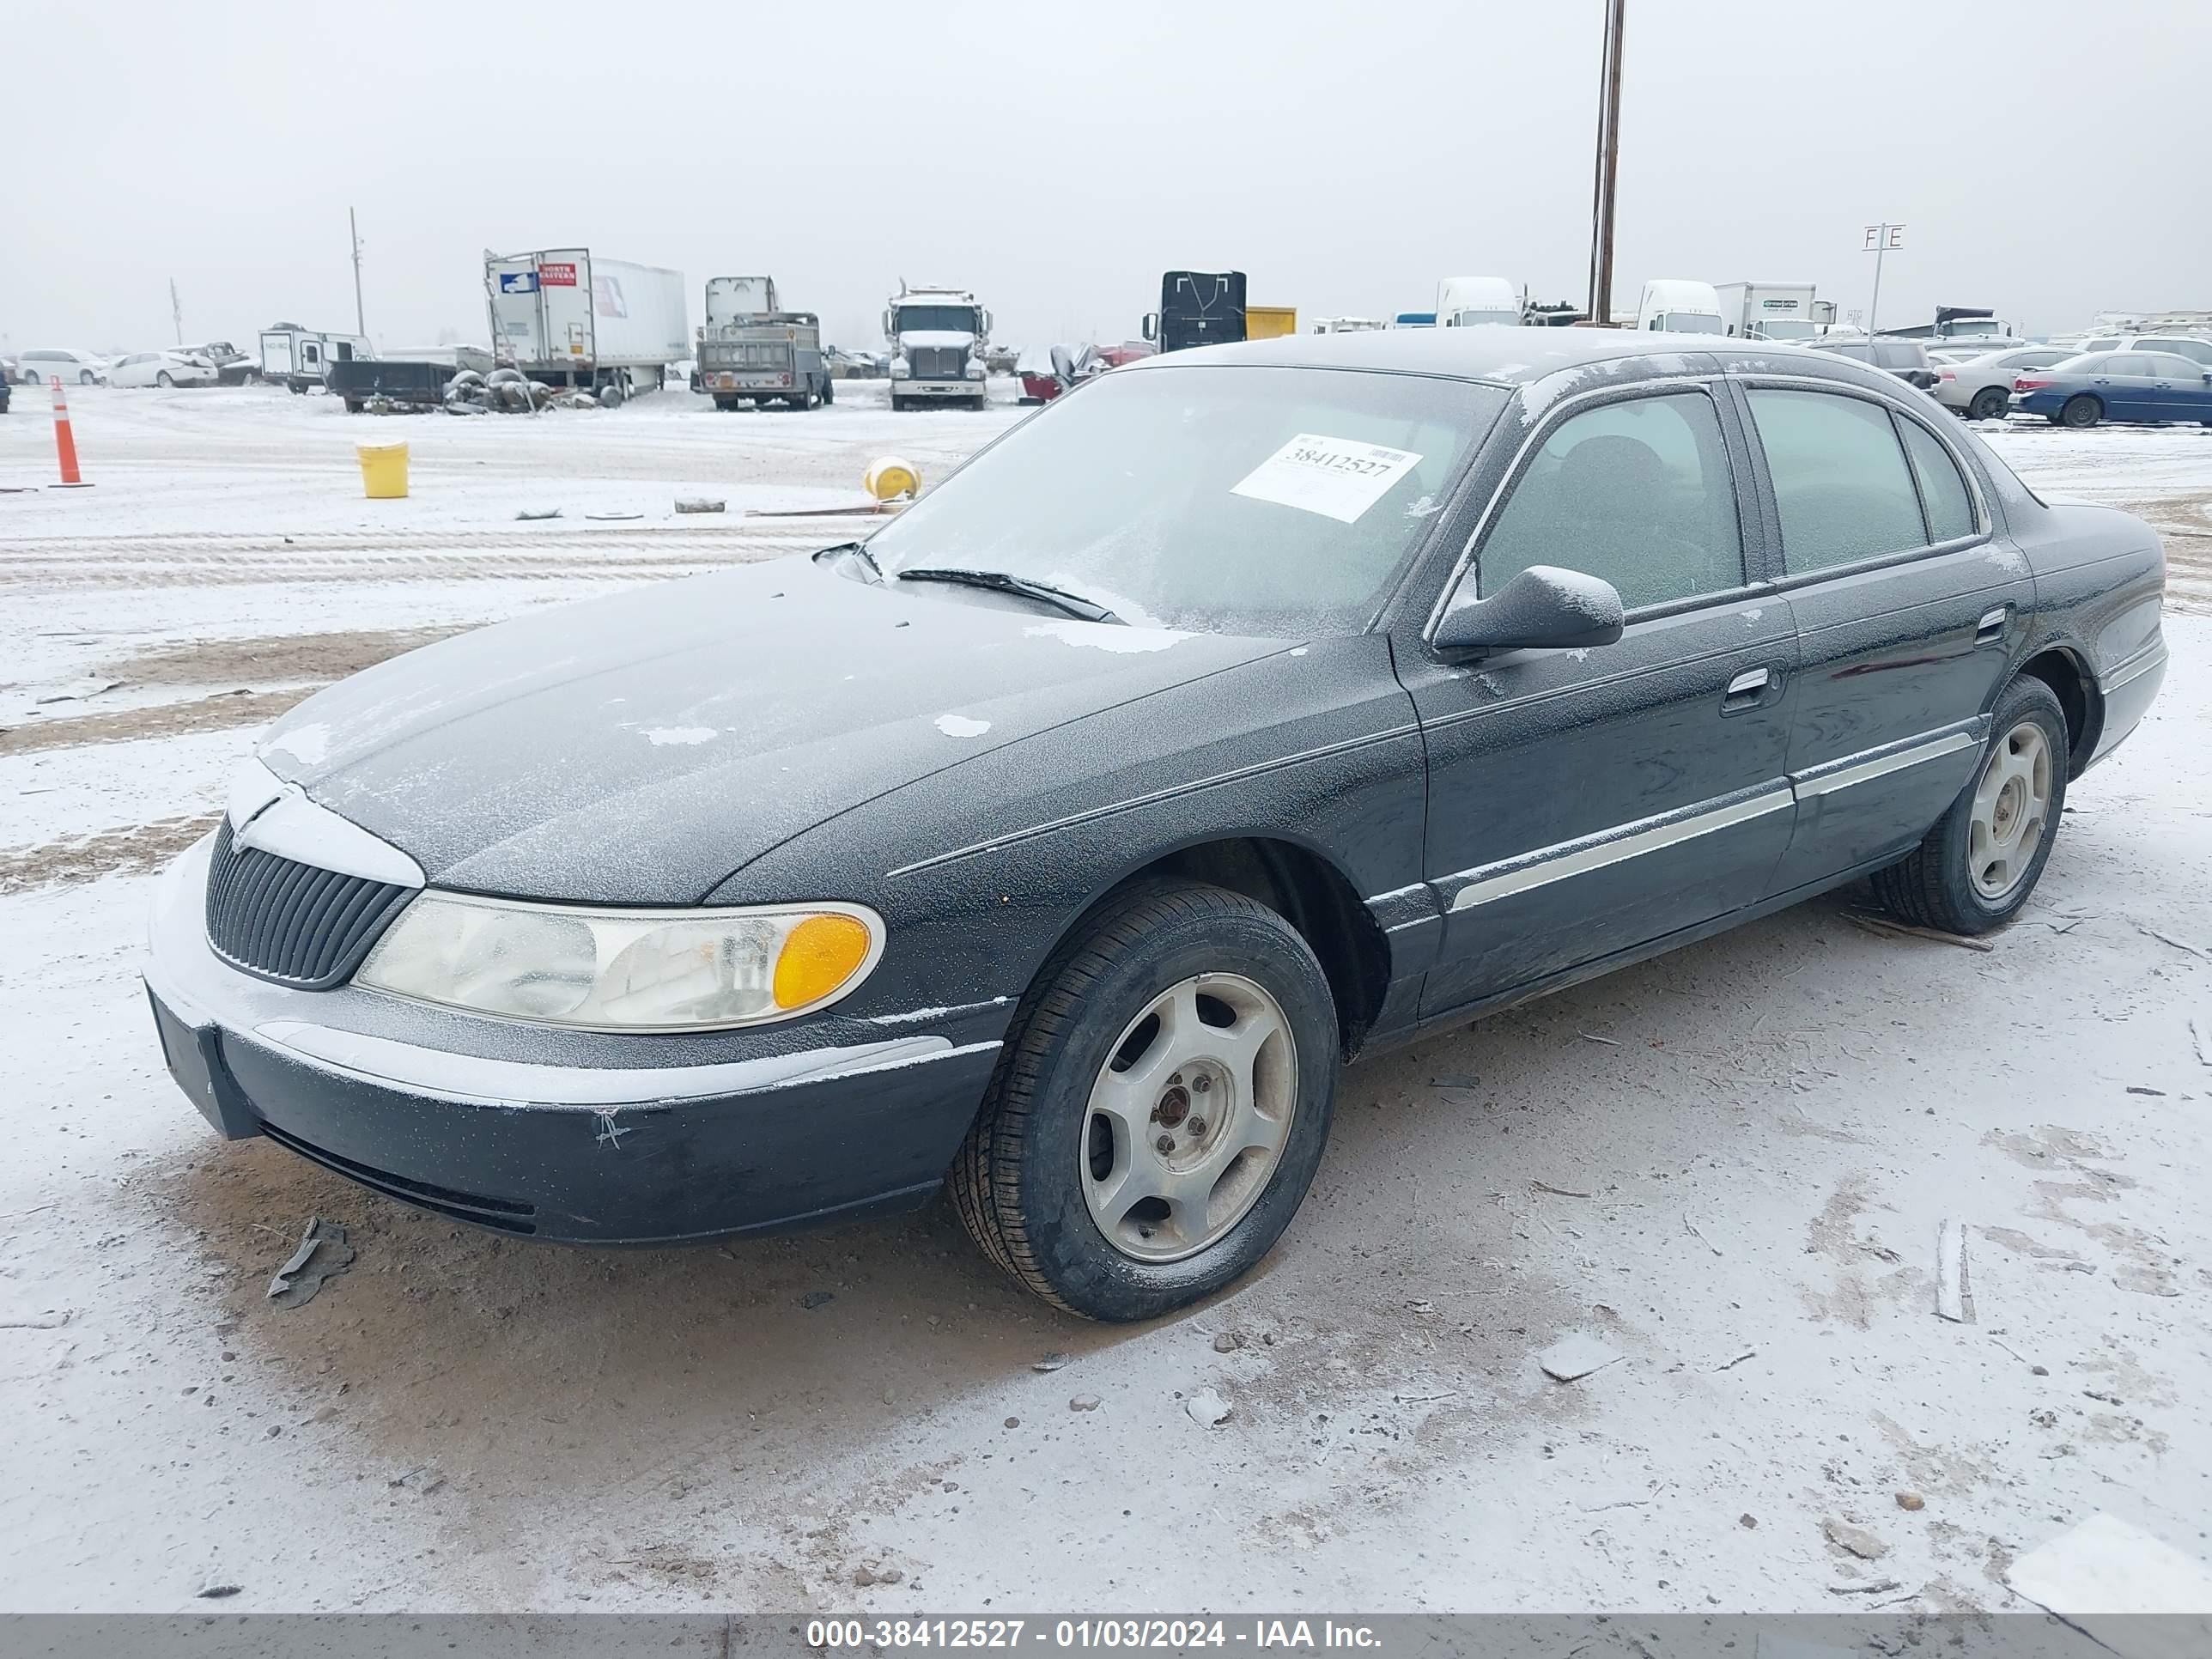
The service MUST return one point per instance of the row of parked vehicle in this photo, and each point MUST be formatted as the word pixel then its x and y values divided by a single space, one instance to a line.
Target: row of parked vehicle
pixel 217 362
pixel 2150 379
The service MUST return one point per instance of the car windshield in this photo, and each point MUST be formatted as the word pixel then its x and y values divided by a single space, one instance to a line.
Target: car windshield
pixel 1210 498
pixel 936 319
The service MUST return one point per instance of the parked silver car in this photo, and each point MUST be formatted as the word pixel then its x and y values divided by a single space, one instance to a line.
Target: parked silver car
pixel 1980 387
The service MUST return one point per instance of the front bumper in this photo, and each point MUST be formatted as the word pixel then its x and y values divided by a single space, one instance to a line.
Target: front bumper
pixel 940 388
pixel 613 1153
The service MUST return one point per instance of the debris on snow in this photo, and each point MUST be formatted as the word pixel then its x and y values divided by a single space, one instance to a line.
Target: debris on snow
pixel 1227 1342
pixel 698 504
pixel 44 1319
pixel 323 1254
pixel 1911 1500
pixel 532 515
pixel 1207 1409
pixel 814 1299
pixel 1884 925
pixel 1051 1362
pixel 1084 1402
pixel 1875 1589
pixel 1951 1273
pixel 1576 1357
pixel 1857 1540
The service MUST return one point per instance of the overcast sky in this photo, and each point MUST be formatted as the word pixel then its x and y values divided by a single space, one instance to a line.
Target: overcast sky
pixel 2045 156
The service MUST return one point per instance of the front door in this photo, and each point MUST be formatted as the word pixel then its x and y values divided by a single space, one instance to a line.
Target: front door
pixel 1582 803
pixel 1908 610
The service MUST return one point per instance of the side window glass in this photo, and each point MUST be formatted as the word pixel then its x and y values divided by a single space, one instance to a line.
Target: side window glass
pixel 1638 493
pixel 2127 365
pixel 1839 478
pixel 1942 491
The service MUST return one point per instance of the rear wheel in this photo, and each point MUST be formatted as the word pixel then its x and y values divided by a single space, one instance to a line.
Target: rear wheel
pixel 2081 410
pixel 1978 866
pixel 1989 403
pixel 1159 1108
pixel 163 379
pixel 829 391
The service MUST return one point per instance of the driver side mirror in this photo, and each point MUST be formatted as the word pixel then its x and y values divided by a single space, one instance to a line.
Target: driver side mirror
pixel 1151 325
pixel 1542 609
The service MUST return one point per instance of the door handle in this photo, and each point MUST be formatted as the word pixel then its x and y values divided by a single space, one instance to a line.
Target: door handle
pixel 1746 688
pixel 1991 628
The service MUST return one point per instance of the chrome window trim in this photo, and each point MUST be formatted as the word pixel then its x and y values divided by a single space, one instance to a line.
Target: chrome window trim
pixel 1705 381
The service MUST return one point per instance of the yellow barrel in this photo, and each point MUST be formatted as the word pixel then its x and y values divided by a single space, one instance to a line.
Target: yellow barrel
pixel 383 470
pixel 891 478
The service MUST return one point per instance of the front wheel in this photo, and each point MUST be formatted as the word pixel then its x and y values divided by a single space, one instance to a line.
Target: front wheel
pixel 1989 403
pixel 2081 410
pixel 163 381
pixel 88 378
pixel 1975 869
pixel 1159 1108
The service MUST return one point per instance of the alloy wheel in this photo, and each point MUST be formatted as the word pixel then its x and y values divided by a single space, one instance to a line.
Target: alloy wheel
pixel 2011 812
pixel 1188 1117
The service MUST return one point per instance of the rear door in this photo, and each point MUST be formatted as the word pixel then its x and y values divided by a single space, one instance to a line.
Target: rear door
pixel 1584 803
pixel 1908 607
pixel 2124 381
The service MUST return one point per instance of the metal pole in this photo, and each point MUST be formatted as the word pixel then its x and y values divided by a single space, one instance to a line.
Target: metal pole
pixel 1874 305
pixel 1609 163
pixel 176 311
pixel 360 326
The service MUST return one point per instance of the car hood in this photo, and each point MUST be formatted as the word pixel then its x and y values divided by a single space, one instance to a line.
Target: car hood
pixel 640 747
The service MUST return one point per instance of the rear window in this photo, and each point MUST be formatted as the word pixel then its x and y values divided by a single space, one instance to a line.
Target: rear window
pixel 1899 356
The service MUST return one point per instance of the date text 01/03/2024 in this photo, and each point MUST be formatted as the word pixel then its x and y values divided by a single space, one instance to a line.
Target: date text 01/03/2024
pixel 831 1635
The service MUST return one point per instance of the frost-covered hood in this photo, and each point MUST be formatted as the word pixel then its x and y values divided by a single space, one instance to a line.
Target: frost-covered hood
pixel 637 749
pixel 936 337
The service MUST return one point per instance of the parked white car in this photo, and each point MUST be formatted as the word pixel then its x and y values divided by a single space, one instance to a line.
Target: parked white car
pixel 1980 386
pixel 164 368
pixel 74 368
pixel 2180 345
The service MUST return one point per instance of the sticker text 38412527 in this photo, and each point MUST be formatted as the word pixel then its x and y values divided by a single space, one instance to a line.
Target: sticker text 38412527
pixel 1338 477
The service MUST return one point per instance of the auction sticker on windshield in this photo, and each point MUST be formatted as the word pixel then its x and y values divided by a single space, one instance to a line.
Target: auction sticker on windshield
pixel 1338 478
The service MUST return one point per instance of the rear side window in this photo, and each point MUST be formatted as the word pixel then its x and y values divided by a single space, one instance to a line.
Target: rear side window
pixel 1639 493
pixel 2129 364
pixel 1898 356
pixel 1943 495
pixel 2198 351
pixel 2167 367
pixel 1840 479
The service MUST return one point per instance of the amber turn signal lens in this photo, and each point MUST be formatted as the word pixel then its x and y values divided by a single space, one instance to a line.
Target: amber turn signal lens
pixel 818 956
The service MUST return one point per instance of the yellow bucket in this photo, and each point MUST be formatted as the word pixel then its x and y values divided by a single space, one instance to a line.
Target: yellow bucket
pixel 383 470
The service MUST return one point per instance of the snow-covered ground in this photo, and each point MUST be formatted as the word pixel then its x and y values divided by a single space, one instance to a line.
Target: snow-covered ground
pixel 1729 1164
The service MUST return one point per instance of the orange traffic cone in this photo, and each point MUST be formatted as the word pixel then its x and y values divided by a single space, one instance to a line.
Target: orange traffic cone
pixel 65 440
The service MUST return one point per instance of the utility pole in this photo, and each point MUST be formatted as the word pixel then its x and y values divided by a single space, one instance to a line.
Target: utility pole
pixel 360 326
pixel 1609 164
pixel 176 311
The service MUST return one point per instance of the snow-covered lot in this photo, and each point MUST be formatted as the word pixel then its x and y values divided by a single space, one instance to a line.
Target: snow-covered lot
pixel 1731 1165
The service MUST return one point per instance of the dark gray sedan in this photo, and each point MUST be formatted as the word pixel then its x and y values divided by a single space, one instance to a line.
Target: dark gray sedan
pixel 1246 710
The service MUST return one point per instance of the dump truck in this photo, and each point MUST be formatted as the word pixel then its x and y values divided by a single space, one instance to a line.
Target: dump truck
pixel 937 338
pixel 566 318
pixel 752 351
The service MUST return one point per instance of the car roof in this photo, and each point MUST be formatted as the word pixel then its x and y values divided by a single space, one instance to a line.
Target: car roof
pixel 1503 356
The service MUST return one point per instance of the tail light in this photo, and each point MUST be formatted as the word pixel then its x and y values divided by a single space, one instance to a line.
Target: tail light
pixel 1946 375
pixel 2022 383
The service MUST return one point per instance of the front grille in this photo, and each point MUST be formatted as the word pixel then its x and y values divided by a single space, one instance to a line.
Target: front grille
pixel 291 922
pixel 937 362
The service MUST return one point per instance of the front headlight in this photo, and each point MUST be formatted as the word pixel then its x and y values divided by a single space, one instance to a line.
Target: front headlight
pixel 975 370
pixel 624 970
pixel 901 369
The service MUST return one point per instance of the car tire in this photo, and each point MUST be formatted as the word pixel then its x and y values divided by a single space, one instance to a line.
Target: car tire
pixel 88 378
pixel 2081 410
pixel 1131 1004
pixel 828 392
pixel 898 403
pixel 1974 870
pixel 1989 403
pixel 164 380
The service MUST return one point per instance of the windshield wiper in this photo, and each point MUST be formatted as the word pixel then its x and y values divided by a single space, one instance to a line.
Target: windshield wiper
pixel 999 582
pixel 852 550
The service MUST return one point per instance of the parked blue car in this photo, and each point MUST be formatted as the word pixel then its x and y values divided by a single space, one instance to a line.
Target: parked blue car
pixel 2147 386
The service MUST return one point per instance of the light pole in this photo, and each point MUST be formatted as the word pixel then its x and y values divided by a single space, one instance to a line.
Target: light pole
pixel 360 326
pixel 1609 163
pixel 1879 239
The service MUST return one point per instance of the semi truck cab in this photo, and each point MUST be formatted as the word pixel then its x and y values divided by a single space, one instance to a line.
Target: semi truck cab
pixel 938 336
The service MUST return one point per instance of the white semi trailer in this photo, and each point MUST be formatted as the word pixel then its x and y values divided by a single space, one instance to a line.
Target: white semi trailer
pixel 564 317
pixel 1769 311
pixel 937 338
